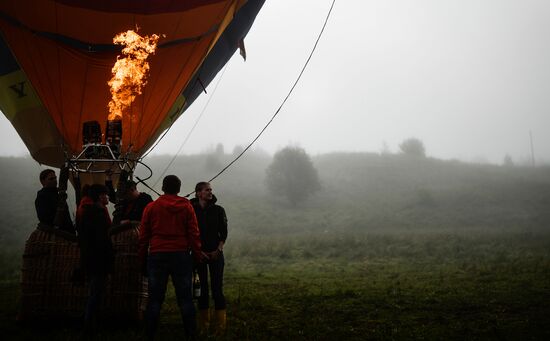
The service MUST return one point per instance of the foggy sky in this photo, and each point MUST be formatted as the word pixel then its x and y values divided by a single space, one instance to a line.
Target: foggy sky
pixel 470 78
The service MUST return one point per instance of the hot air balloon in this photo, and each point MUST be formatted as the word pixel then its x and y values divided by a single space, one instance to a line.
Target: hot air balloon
pixel 57 57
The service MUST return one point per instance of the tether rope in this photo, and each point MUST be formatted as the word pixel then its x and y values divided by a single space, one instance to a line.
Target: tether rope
pixel 285 99
pixel 193 128
pixel 280 106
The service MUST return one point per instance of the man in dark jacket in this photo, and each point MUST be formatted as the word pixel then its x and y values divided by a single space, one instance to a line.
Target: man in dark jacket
pixel 47 202
pixel 213 227
pixel 136 201
pixel 169 231
pixel 96 250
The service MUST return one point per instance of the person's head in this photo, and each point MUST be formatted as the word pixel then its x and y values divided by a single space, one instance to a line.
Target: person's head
pixel 85 190
pixel 131 190
pixel 171 184
pixel 48 178
pixel 99 194
pixel 203 191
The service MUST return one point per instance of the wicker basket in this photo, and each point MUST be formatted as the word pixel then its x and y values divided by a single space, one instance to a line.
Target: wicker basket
pixel 127 290
pixel 50 258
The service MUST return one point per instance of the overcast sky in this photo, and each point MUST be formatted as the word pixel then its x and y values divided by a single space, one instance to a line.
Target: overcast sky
pixel 470 78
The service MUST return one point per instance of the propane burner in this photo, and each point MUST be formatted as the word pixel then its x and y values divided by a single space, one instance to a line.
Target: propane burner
pixel 91 133
pixel 92 145
pixel 113 136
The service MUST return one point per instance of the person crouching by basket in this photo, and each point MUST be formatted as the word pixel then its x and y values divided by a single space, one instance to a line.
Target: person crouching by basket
pixel 96 250
pixel 169 231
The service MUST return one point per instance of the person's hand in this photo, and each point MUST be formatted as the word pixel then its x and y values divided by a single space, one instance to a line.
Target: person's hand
pixel 125 222
pixel 214 255
pixel 200 257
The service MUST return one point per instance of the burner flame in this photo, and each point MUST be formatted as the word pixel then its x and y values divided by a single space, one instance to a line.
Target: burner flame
pixel 130 72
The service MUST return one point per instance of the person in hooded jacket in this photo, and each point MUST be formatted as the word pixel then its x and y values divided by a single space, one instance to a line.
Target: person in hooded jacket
pixel 96 250
pixel 169 231
pixel 213 228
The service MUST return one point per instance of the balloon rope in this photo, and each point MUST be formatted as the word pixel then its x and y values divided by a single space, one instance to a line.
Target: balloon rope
pixel 158 141
pixel 142 181
pixel 274 115
pixel 283 102
pixel 193 128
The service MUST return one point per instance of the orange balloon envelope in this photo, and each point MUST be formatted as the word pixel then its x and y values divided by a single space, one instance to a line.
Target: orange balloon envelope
pixel 56 58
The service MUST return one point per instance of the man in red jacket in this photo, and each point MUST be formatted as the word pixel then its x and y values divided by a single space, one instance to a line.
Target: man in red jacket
pixel 169 230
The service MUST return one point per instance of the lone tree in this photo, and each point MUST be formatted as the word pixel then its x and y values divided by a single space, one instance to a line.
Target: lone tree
pixel 413 147
pixel 214 159
pixel 508 162
pixel 291 174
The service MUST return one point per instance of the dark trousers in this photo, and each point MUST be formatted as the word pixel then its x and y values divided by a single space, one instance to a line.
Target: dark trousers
pixel 96 291
pixel 215 268
pixel 179 266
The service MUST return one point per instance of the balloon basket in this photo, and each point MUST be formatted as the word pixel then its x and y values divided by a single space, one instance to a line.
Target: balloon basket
pixel 48 287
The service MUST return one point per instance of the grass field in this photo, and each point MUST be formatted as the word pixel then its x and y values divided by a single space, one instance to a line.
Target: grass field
pixel 391 248
pixel 435 286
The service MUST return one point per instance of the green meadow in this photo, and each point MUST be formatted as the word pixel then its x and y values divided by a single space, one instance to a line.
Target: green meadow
pixel 391 247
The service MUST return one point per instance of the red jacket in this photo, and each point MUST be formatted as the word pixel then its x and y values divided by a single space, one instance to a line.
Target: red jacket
pixel 169 224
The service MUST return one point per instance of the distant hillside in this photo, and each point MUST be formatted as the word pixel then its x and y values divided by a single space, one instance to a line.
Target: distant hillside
pixel 361 192
pixel 415 193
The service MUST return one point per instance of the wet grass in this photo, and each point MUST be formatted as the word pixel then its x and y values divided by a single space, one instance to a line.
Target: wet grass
pixel 444 285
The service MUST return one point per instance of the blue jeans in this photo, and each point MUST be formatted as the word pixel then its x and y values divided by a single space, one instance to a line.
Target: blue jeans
pixel 178 265
pixel 215 267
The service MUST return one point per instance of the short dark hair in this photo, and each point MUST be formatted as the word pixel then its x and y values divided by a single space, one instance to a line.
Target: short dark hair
pixel 95 190
pixel 171 184
pixel 200 186
pixel 44 174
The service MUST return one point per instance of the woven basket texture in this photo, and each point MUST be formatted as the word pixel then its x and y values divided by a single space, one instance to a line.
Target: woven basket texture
pixel 49 261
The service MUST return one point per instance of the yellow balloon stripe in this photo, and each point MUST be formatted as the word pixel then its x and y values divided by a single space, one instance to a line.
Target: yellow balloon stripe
pixel 17 94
